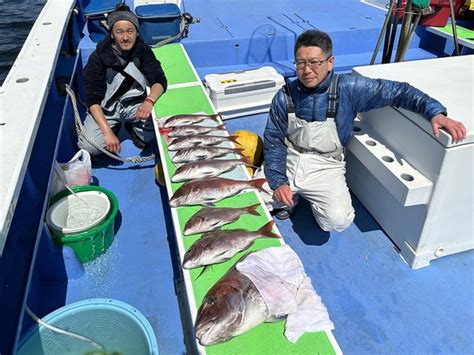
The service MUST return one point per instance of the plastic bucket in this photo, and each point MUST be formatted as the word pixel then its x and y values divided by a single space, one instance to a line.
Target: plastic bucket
pixel 93 242
pixel 115 325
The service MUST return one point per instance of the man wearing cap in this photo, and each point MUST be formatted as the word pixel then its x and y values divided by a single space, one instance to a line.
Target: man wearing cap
pixel 115 83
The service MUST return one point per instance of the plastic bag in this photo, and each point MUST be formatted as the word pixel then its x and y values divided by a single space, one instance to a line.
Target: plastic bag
pixel 75 172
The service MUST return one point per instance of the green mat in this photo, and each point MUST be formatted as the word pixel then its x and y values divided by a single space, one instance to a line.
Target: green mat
pixel 463 33
pixel 267 338
pixel 175 64
pixel 188 99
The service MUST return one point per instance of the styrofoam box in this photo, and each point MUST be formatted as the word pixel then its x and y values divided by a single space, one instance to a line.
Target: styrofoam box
pixel 243 93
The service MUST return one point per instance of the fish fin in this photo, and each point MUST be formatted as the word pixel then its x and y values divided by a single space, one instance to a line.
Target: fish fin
pixel 258 183
pixel 234 139
pixel 253 209
pixel 246 162
pixel 202 271
pixel 216 117
pixel 266 230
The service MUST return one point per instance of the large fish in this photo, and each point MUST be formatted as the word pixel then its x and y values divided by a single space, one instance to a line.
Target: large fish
pixel 199 153
pixel 199 140
pixel 211 218
pixel 206 168
pixel 221 245
pixel 190 130
pixel 207 192
pixel 189 119
pixel 231 307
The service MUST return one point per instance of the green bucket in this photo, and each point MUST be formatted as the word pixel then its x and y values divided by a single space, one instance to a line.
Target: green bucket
pixel 93 242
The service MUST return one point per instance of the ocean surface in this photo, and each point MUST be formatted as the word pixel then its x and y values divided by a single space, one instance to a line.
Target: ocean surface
pixel 16 19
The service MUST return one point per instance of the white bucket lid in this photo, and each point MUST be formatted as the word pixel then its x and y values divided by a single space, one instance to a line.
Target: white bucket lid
pixel 75 214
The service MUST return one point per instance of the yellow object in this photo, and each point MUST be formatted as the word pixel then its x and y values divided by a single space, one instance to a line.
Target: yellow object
pixel 159 175
pixel 253 148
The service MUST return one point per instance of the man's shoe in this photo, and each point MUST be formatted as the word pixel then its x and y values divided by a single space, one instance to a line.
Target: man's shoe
pixel 139 143
pixel 283 213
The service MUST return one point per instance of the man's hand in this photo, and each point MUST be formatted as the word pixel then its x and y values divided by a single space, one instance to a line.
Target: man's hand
pixel 144 110
pixel 284 194
pixel 112 143
pixel 454 128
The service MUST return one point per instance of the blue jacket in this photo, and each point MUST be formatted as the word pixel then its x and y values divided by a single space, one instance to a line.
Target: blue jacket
pixel 356 94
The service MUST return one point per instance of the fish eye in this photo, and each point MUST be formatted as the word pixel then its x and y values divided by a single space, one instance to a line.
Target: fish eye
pixel 211 300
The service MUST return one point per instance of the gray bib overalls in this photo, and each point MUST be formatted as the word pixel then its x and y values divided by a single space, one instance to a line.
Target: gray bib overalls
pixel 315 166
pixel 119 109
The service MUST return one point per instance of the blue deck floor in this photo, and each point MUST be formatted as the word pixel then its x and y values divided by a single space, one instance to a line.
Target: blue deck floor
pixel 377 303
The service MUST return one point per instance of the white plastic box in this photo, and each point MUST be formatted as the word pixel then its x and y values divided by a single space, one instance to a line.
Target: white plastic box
pixel 243 93
pixel 418 187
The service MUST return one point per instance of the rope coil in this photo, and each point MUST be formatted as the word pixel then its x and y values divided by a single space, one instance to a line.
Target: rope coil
pixel 80 127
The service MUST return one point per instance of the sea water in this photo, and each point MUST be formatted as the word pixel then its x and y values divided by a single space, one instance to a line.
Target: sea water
pixel 16 19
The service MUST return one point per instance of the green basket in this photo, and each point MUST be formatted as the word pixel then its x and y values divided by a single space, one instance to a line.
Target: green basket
pixel 92 243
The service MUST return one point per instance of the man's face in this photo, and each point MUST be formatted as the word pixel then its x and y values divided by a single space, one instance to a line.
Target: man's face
pixel 312 66
pixel 124 34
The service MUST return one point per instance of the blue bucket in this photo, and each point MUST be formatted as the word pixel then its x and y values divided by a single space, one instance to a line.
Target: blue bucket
pixel 115 325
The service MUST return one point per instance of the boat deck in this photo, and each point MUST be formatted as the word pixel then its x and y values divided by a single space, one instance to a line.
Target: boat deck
pixel 377 303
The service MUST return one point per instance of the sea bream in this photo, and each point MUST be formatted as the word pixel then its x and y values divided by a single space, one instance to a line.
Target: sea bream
pixel 199 153
pixel 221 245
pixel 211 218
pixel 207 192
pixel 206 168
pixel 199 140
pixel 189 119
pixel 230 308
pixel 189 130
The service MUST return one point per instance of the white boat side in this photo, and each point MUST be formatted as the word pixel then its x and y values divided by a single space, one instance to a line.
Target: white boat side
pixel 23 97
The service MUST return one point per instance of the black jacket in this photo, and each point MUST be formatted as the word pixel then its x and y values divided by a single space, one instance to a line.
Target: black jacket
pixel 104 58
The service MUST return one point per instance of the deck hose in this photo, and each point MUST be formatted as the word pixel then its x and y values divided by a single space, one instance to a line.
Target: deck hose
pixel 95 344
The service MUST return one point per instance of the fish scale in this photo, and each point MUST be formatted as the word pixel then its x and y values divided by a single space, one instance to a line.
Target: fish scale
pixel 221 245
pixel 209 191
pixel 230 308
pixel 206 168
pixel 210 218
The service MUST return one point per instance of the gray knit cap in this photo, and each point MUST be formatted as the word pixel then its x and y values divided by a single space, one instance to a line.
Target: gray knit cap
pixel 119 15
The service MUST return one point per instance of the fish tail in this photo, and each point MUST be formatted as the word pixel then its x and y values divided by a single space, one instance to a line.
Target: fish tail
pixel 239 151
pixel 246 161
pixel 234 139
pixel 258 183
pixel 221 126
pixel 216 117
pixel 266 230
pixel 253 209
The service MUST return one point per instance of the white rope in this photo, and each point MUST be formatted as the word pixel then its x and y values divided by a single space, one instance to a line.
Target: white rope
pixel 79 128
pixel 62 331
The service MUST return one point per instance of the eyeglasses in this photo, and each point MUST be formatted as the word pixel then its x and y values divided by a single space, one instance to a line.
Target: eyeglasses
pixel 312 64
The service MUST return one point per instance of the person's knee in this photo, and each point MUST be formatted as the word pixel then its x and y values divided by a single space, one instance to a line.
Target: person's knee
pixel 336 219
pixel 82 144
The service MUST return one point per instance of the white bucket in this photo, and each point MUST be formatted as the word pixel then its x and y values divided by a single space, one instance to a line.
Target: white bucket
pixel 75 214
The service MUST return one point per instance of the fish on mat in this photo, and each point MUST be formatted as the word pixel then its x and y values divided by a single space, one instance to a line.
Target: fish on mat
pixel 221 245
pixel 189 130
pixel 207 192
pixel 199 140
pixel 206 168
pixel 199 153
pixel 189 119
pixel 211 218
pixel 230 308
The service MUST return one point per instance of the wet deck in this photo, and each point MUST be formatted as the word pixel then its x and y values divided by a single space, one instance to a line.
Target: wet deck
pixel 377 303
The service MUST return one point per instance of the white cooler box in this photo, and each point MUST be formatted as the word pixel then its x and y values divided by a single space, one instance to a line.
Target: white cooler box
pixel 243 93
